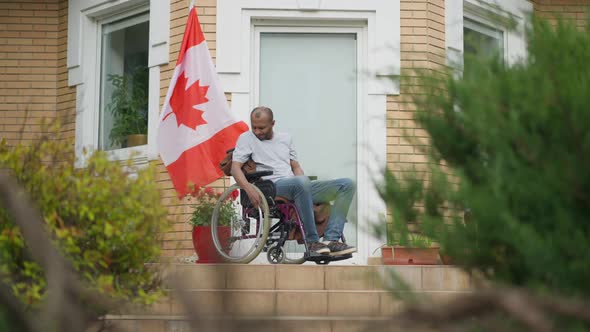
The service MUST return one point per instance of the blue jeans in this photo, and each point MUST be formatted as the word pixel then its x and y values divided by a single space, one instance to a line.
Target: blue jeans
pixel 305 193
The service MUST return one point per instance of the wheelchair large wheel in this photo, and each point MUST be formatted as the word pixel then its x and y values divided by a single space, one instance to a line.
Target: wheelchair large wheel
pixel 293 250
pixel 240 238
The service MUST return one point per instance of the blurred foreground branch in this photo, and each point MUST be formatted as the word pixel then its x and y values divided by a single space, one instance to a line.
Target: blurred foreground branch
pixel 533 312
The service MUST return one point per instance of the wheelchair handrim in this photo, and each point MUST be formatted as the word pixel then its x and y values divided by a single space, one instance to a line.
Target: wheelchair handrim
pixel 259 241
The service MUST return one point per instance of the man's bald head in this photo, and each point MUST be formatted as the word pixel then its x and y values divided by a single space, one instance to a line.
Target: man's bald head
pixel 262 122
pixel 260 112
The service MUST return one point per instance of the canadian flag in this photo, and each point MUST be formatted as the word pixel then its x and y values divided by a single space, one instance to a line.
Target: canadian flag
pixel 196 126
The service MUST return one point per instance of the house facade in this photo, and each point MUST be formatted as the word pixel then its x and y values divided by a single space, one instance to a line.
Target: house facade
pixel 328 68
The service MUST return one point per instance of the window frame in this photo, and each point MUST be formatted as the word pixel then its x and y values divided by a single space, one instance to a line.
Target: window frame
pixel 493 13
pixel 85 22
pixel 480 25
pixel 122 153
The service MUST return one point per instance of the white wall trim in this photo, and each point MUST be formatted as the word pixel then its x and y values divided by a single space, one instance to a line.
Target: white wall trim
pixel 379 44
pixel 84 19
pixel 484 11
pixel 235 20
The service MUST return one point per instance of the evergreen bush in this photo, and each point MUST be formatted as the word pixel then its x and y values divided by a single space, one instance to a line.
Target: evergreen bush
pixel 515 144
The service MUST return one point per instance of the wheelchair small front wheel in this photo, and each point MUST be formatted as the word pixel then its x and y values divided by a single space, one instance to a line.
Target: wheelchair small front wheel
pixel 239 233
pixel 275 255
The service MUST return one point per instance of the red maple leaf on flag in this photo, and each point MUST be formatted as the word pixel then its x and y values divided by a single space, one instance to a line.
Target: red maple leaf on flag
pixel 182 102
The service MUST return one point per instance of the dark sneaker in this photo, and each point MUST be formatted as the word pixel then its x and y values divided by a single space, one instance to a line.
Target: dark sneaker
pixel 338 248
pixel 318 247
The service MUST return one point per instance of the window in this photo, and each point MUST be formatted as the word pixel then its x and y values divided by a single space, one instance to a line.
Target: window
pixel 124 81
pixel 115 50
pixel 480 40
pixel 485 28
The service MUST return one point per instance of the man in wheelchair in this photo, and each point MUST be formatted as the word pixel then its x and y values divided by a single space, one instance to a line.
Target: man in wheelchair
pixel 273 151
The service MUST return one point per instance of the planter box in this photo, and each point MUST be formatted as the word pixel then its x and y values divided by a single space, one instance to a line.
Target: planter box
pixel 446 259
pixel 409 256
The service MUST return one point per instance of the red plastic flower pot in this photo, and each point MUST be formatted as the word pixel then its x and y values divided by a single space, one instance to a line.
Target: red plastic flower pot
pixel 203 243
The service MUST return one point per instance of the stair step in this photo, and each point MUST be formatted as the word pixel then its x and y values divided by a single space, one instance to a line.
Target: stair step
pixel 258 324
pixel 290 303
pixel 301 291
pixel 290 297
pixel 314 277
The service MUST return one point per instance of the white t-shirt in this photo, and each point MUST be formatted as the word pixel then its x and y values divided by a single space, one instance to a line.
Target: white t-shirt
pixel 269 155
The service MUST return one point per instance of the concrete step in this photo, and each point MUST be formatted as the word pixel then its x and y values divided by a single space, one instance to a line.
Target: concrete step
pixel 315 277
pixel 330 298
pixel 291 324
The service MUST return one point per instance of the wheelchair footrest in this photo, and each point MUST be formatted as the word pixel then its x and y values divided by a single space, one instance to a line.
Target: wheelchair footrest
pixel 324 259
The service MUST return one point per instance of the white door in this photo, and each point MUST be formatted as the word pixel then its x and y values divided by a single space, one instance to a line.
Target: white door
pixel 309 80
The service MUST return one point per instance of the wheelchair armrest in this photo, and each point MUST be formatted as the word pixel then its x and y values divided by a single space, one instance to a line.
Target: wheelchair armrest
pixel 251 177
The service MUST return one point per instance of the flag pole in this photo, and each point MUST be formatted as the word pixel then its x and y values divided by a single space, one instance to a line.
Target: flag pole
pixel 191 4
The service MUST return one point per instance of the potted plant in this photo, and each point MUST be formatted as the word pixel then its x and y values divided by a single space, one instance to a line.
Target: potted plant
pixel 205 201
pixel 129 107
pixel 403 199
pixel 419 250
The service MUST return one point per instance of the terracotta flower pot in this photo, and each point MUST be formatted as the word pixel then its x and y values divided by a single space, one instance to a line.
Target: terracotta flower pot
pixel 409 256
pixel 446 259
pixel 203 243
pixel 387 255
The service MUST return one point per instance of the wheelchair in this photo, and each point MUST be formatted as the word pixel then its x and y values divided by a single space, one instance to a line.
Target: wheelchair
pixel 243 236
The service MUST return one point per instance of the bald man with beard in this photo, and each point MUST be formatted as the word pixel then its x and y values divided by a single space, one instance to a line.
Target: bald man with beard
pixel 273 151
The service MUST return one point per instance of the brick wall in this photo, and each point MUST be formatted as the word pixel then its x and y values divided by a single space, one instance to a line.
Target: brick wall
pixel 422 47
pixel 29 41
pixel 575 10
pixel 65 95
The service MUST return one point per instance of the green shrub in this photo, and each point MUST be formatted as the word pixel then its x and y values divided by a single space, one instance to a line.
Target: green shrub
pixel 517 139
pixel 105 217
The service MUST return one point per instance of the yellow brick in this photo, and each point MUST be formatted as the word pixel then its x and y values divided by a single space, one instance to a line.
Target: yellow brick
pixel 414 22
pixel 33 19
pixel 20 13
pixel 437 10
pixel 10 5
pixel 208 27
pixel 45 13
pixel 9 34
pixel 405 5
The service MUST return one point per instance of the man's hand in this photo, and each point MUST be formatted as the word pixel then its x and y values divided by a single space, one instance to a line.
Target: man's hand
pixel 236 171
pixel 255 199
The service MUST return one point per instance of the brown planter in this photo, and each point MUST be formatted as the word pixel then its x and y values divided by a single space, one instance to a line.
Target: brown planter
pixel 409 256
pixel 446 259
pixel 387 255
pixel 136 140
